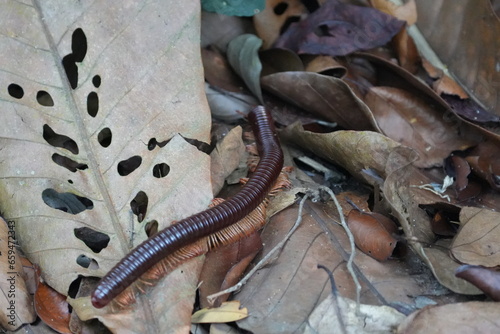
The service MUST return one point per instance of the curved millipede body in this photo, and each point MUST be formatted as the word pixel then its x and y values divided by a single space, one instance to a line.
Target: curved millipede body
pixel 202 224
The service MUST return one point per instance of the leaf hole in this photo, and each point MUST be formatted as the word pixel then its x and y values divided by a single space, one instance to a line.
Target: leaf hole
pixel 15 91
pixel 66 202
pixel 161 170
pixel 139 205
pixel 125 167
pixel 104 137
pixel 280 8
pixel 93 239
pixel 92 104
pixel 200 145
pixel 44 99
pixel 70 181
pixel 68 163
pixel 79 45
pixel 58 140
pixel 74 287
pixel 152 143
pixel 96 81
pixel 87 262
pixel 151 228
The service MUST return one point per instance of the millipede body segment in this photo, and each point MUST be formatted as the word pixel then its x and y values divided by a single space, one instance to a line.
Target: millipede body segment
pixel 191 229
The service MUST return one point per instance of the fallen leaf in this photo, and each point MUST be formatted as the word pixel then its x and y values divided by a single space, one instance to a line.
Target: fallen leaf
pixel 119 88
pixel 52 308
pixel 486 279
pixel 323 96
pixel 338 29
pixel 413 122
pixel 475 68
pixel 276 17
pixel 227 312
pixel 371 318
pixel 356 151
pixel 226 157
pixel 243 55
pixel 477 239
pixel 373 233
pixel 459 318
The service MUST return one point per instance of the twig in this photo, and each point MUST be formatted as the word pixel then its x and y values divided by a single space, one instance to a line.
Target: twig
pixel 351 241
pixel 265 259
pixel 335 296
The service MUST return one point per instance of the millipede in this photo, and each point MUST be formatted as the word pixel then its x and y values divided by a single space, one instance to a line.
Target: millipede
pixel 202 224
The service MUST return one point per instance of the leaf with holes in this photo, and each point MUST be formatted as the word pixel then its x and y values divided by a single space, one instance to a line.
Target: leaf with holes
pixel 103 114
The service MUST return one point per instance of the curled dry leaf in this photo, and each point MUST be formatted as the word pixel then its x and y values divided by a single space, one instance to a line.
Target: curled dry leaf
pixel 486 279
pixel 373 233
pixel 52 308
pixel 227 312
pixel 356 151
pixel 324 96
pixel 477 240
pixel 459 318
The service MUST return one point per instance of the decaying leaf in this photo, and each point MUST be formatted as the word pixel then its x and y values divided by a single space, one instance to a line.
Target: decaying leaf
pixel 477 240
pixel 373 233
pixel 412 122
pixel 459 318
pixel 337 29
pixel 371 319
pixel 52 308
pixel 95 99
pixel 486 279
pixel 227 312
pixel 324 96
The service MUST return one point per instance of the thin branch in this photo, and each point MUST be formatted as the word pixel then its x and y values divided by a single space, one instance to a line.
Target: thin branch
pixel 351 241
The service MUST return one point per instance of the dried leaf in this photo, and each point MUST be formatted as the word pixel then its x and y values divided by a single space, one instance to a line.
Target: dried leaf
pixel 356 151
pixel 477 240
pixel 275 17
pixel 373 233
pixel 324 96
pixel 122 89
pixel 411 121
pixel 52 308
pixel 338 29
pixel 227 312
pixel 476 68
pixel 486 279
pixel 459 318
pixel 226 157
pixel 372 318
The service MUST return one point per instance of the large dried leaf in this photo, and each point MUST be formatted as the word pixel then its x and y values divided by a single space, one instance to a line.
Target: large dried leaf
pixel 124 84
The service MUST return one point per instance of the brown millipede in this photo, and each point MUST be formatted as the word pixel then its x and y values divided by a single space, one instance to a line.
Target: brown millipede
pixel 202 224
